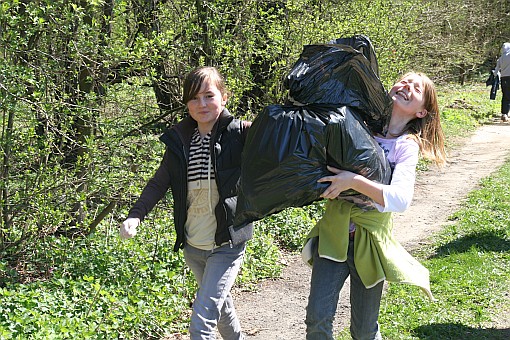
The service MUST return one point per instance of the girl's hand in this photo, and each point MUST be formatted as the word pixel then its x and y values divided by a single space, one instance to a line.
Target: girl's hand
pixel 128 227
pixel 342 180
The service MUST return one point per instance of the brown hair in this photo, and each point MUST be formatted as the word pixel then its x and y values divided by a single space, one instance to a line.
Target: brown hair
pixel 427 131
pixel 194 79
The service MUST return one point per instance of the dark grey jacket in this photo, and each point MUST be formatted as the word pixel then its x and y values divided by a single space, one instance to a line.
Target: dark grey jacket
pixel 227 141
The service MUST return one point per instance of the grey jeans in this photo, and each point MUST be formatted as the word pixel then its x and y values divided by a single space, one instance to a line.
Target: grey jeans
pixel 327 280
pixel 215 271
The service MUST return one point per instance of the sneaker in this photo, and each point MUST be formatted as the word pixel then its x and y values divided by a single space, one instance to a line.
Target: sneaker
pixel 504 118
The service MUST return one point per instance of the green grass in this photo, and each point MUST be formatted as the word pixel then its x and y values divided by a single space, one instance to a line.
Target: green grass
pixel 463 108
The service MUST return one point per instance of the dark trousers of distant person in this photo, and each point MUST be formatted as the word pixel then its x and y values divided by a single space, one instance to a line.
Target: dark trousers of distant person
pixel 505 100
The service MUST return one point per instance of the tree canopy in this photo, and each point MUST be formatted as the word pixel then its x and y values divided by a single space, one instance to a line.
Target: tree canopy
pixel 86 84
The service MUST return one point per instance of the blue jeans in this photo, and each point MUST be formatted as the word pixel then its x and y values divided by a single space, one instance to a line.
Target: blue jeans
pixel 215 271
pixel 327 280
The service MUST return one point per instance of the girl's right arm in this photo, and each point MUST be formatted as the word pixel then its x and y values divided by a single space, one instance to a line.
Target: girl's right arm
pixel 154 191
pixel 394 197
pixel 344 180
pixel 399 193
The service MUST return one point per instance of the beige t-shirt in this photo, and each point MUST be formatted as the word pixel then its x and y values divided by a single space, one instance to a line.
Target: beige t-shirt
pixel 200 226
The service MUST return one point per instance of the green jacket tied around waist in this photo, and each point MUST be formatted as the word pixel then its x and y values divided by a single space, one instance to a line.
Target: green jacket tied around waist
pixel 378 255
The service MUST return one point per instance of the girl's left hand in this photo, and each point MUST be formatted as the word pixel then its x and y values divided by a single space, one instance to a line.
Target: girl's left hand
pixel 341 181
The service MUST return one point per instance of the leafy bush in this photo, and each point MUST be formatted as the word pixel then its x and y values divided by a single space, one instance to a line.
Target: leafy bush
pixel 261 259
pixel 291 226
pixel 102 287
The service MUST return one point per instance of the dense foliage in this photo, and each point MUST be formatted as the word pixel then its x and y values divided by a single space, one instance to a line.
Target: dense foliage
pixel 87 86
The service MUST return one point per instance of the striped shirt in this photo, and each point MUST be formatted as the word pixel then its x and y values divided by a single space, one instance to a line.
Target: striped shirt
pixel 203 194
pixel 199 166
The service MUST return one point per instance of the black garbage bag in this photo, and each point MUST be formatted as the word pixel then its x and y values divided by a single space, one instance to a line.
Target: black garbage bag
pixel 493 82
pixel 288 149
pixel 343 75
pixel 336 102
pixel 362 44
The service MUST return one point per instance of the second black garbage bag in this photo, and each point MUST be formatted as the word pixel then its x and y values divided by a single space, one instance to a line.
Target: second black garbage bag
pixel 336 103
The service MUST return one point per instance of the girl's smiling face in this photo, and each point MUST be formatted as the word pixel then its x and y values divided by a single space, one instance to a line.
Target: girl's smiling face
pixel 407 95
pixel 206 106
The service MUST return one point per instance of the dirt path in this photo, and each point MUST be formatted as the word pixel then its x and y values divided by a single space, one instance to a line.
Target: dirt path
pixel 276 310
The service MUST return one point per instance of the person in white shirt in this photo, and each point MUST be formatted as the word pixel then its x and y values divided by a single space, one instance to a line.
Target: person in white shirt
pixel 503 69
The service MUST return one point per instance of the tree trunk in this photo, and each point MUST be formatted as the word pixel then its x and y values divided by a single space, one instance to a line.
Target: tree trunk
pixel 4 194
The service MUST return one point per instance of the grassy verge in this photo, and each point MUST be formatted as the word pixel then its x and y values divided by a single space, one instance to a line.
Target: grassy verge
pixel 470 274
pixel 463 108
